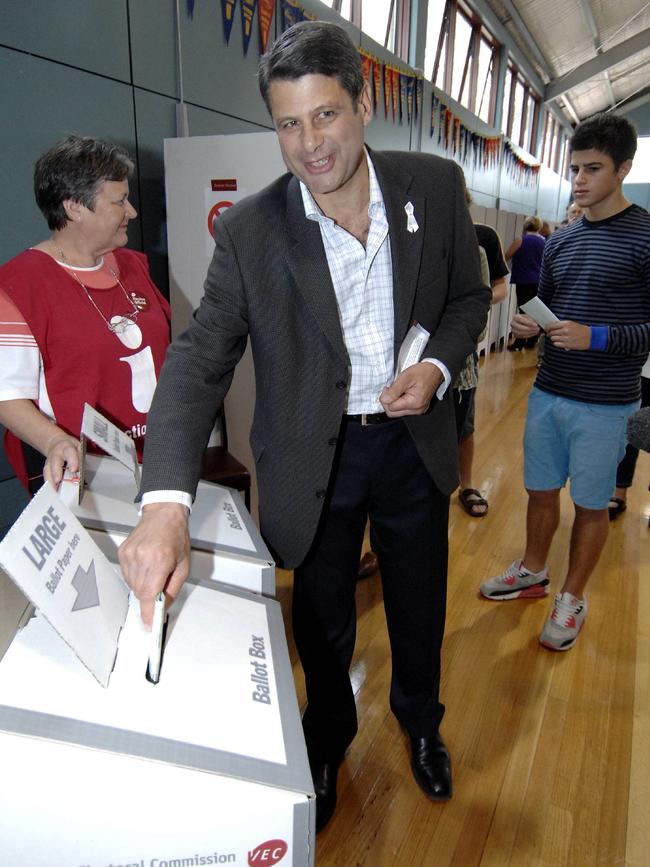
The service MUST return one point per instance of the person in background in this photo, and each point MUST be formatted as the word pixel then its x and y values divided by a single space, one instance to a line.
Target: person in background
pixel 470 497
pixel 526 255
pixel 626 468
pixel 80 319
pixel 596 279
pixel 325 271
pixel 573 212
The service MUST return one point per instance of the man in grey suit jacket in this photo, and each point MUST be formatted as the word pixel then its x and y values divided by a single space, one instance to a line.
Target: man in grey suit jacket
pixel 325 271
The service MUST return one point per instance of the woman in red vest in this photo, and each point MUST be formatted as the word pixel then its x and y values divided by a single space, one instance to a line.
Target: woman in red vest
pixel 80 319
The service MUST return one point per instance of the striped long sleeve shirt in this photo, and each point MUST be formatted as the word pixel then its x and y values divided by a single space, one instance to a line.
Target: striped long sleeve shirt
pixel 598 274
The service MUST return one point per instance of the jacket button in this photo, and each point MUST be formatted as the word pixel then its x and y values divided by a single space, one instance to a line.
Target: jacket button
pixel 341 384
pixel 321 494
pixel 332 441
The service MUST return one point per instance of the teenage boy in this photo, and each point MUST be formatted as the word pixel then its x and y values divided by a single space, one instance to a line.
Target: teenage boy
pixel 596 278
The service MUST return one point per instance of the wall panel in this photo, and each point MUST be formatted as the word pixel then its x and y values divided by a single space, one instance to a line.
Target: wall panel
pixel 40 102
pixel 89 34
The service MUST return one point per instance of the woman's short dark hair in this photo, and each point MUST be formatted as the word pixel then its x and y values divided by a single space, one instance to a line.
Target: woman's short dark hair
pixel 312 48
pixel 74 168
pixel 610 133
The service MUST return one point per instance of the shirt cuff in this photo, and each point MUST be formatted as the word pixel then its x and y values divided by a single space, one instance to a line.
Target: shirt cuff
pixel 180 497
pixel 599 337
pixel 445 373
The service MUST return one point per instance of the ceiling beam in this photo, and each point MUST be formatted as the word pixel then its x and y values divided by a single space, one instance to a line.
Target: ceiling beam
pixel 595 36
pixel 596 65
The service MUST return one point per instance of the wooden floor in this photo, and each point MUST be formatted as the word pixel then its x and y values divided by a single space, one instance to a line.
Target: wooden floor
pixel 550 751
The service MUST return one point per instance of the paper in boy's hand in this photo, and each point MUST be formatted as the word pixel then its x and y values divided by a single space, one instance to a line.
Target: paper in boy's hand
pixel 542 314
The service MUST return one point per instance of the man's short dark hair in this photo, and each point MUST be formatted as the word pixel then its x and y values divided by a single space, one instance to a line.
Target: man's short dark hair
pixel 74 168
pixel 312 48
pixel 610 133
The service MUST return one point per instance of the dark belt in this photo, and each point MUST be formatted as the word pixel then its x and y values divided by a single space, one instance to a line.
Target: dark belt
pixel 369 418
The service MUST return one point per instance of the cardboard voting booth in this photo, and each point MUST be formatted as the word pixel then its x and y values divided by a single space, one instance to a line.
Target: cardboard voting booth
pixel 100 766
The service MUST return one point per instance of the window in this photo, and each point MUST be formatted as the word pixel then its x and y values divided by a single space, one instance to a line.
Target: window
pixel 343 7
pixel 435 16
pixel 530 121
pixel 517 112
pixel 485 80
pixel 548 139
pixel 460 71
pixel 640 171
pixel 375 19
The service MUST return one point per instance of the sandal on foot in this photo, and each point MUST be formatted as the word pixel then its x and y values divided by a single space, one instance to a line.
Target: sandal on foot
pixel 471 500
pixel 616 507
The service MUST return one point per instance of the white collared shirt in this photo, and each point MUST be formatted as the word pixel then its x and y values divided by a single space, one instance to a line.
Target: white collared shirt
pixel 363 283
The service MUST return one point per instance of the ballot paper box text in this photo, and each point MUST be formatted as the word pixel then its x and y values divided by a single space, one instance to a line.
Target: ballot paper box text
pixel 206 767
pixel 226 544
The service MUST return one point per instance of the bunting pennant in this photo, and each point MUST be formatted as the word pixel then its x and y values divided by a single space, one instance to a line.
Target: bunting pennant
pixel 292 13
pixel 190 8
pixel 455 135
pixel 441 119
pixel 265 9
pixel 395 88
pixel 376 77
pixel 366 64
pixel 403 106
pixel 419 96
pixel 410 87
pixel 434 109
pixel 227 13
pixel 524 173
pixel 388 80
pixel 247 8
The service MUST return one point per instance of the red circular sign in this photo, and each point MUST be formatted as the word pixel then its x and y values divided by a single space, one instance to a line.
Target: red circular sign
pixel 215 210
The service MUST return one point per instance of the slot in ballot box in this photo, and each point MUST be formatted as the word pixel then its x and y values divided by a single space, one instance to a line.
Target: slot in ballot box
pixel 226 545
pixel 208 766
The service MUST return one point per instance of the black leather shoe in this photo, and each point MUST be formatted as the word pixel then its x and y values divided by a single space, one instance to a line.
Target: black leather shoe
pixel 431 767
pixel 324 775
pixel 368 565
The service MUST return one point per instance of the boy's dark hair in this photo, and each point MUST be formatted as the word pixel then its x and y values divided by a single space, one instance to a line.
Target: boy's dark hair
pixel 74 168
pixel 610 133
pixel 312 48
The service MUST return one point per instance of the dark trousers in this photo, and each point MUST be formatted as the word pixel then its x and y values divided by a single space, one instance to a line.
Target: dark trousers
pixel 626 468
pixel 525 291
pixel 378 475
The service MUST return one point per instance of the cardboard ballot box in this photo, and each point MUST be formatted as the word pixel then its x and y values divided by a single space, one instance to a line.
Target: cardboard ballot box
pixel 99 765
pixel 208 766
pixel 226 544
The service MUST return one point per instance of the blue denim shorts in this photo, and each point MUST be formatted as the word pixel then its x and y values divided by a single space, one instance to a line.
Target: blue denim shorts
pixel 567 439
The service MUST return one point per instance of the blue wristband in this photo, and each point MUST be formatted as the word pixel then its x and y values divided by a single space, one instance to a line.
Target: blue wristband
pixel 599 337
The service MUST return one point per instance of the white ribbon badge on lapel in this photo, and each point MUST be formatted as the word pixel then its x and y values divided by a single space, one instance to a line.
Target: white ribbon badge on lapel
pixel 411 222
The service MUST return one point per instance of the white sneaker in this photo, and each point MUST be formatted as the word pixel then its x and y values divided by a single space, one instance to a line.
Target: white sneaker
pixel 565 622
pixel 516 582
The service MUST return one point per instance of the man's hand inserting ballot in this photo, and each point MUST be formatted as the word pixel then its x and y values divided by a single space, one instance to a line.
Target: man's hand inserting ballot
pixel 155 556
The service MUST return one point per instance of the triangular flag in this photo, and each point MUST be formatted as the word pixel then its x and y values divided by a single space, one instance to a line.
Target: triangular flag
pixel 266 8
pixel 227 13
pixel 247 8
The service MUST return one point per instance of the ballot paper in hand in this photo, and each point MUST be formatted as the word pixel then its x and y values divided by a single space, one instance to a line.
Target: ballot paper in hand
pixel 410 352
pixel 542 314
